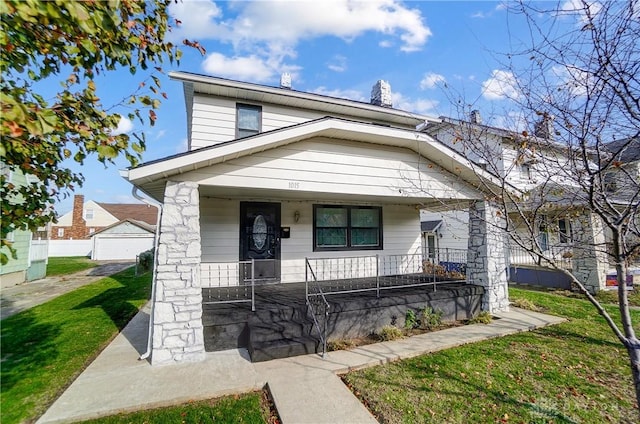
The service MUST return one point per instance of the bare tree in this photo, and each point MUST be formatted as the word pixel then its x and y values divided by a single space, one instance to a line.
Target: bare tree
pixel 571 173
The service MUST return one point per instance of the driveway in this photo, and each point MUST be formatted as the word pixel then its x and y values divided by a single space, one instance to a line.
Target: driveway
pixel 29 294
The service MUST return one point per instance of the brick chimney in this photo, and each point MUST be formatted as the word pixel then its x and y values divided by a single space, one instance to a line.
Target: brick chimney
pixel 381 94
pixel 78 228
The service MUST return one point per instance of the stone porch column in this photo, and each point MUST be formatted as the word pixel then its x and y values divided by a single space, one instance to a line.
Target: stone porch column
pixel 486 260
pixel 589 252
pixel 177 313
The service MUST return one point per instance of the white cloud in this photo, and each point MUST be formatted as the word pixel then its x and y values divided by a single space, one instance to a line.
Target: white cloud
pixel 580 10
pixel 248 68
pixel 267 32
pixel 197 20
pixel 478 15
pixel 501 85
pixel 124 126
pixel 431 80
pixel 342 94
pixel 338 63
pixel 573 79
pixel 423 106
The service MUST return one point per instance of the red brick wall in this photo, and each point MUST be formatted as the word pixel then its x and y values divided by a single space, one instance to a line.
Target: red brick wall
pixel 78 229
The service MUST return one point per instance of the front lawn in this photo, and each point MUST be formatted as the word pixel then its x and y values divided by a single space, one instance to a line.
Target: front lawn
pixel 68 265
pixel 249 408
pixel 572 372
pixel 44 348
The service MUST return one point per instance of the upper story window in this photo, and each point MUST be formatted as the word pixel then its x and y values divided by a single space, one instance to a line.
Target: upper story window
pixel 248 120
pixel 338 227
pixel 88 214
pixel 60 232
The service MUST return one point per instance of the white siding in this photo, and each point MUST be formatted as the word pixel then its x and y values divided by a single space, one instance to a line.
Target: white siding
pixel 454 231
pixel 341 167
pixel 101 218
pixel 214 119
pixel 220 238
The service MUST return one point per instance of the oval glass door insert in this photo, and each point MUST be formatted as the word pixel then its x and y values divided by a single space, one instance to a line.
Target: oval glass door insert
pixel 259 232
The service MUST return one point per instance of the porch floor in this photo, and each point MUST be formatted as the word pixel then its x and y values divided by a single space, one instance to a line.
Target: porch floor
pixel 281 325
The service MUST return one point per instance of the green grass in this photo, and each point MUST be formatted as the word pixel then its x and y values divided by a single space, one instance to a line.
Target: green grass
pixel 568 373
pixel 248 408
pixel 44 348
pixel 68 265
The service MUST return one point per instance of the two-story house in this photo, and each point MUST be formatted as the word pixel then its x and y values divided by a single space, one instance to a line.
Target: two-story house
pixel 296 183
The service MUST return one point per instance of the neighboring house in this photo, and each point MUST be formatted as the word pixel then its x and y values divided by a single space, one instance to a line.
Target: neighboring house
pixel 539 167
pixel 122 240
pixel 89 217
pixel 31 249
pixel 287 178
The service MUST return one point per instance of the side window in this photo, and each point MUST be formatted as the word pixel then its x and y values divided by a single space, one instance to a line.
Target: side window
pixel 60 232
pixel 88 214
pixel 248 120
pixel 564 230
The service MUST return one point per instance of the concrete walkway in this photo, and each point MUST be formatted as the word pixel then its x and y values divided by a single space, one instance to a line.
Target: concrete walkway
pixel 305 389
pixel 23 296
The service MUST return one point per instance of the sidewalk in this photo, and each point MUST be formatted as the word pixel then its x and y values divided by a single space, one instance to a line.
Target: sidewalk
pixel 23 296
pixel 305 389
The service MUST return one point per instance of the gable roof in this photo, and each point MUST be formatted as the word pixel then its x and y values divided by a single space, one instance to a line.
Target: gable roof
pixel 626 150
pixel 146 174
pixel 430 226
pixel 132 211
pixel 245 91
pixel 140 224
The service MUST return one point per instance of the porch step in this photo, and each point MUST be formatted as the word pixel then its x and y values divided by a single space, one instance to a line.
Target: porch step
pixel 280 332
pixel 282 348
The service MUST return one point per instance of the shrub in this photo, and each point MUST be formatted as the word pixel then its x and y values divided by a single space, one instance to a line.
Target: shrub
pixel 431 318
pixel 410 319
pixel 524 304
pixel 483 317
pixel 389 332
pixel 340 344
pixel 145 261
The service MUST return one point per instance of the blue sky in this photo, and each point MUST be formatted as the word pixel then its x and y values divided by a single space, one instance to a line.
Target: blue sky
pixel 429 51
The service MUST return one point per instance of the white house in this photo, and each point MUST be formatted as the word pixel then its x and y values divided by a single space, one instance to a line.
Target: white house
pixel 280 176
pixel 535 165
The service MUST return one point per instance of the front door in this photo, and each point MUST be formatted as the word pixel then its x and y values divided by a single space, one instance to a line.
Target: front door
pixel 260 238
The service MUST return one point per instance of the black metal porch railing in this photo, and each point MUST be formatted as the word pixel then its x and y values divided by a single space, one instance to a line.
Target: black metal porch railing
pixel 368 273
pixel 234 282
pixel 317 305
pixel 340 275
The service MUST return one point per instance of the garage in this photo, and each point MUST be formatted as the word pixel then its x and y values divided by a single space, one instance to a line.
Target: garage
pixel 123 240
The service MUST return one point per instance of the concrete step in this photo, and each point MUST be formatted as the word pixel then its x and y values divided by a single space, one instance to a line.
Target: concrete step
pixel 261 351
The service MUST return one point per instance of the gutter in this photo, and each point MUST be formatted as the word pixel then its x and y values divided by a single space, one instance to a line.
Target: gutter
pixel 156 243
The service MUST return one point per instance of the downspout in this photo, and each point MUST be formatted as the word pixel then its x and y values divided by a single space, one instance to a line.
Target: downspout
pixel 157 205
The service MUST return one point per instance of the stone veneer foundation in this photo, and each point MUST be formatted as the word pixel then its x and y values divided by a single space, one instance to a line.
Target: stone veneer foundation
pixel 177 312
pixel 486 257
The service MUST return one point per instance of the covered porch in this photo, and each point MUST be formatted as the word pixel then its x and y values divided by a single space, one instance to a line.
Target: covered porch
pixel 327 200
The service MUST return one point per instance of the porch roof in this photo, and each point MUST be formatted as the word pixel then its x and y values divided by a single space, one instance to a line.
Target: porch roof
pixel 147 176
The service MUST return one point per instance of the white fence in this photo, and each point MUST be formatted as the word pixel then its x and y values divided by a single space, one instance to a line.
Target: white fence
pixel 39 250
pixel 59 248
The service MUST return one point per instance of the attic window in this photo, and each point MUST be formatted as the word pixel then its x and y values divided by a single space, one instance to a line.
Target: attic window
pixel 88 214
pixel 248 120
